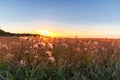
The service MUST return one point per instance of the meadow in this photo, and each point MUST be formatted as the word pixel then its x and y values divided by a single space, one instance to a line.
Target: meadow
pixel 44 58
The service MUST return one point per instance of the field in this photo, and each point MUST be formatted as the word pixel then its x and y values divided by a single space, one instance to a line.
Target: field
pixel 43 58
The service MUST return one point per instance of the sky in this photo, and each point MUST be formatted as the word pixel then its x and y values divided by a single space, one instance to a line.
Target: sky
pixel 82 18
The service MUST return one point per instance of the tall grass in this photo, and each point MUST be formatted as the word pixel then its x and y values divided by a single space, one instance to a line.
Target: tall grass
pixel 69 59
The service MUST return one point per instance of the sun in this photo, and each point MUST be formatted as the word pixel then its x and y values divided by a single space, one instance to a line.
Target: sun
pixel 47 33
pixel 43 32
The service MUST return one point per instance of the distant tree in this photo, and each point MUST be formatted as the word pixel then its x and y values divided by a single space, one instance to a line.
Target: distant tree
pixel 3 33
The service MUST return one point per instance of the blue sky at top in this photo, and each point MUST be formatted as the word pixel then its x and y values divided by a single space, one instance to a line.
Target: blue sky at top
pixel 86 14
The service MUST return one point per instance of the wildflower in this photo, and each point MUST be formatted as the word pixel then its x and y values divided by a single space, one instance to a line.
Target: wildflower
pixel 49 46
pixel 64 45
pixel 104 49
pixel 22 62
pixel 85 43
pixel 85 49
pixel 26 52
pixel 51 59
pixel 8 57
pixel 118 46
pixel 41 45
pixel 49 53
pixel 31 47
pixel 35 46
pixel 77 49
pixel 93 61
pixel 36 57
pixel 89 42
pixel 95 43
pixel 5 47
pixel 113 44
pixel 115 51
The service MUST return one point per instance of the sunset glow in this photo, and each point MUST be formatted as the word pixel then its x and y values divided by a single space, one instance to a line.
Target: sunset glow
pixel 48 33
pixel 43 32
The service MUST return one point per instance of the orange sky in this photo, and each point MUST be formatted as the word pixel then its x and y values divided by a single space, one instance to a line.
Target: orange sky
pixel 66 30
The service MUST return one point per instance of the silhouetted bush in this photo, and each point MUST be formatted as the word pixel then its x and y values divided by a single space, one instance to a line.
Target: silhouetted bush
pixel 3 33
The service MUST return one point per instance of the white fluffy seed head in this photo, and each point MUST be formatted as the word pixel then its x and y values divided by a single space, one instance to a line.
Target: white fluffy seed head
pixel 41 45
pixel 85 49
pixel 26 52
pixel 49 53
pixel 49 46
pixel 64 45
pixel 8 57
pixel 22 62
pixel 35 46
pixel 51 59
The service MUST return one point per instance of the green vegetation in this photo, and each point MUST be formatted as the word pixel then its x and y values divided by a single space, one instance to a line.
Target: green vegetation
pixel 36 58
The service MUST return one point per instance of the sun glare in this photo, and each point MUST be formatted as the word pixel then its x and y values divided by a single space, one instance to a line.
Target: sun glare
pixel 45 32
